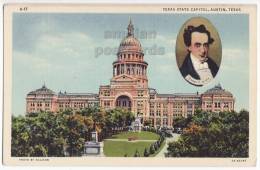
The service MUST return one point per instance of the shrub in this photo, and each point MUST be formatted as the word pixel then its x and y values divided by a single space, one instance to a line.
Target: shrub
pixel 158 143
pixel 146 153
pixel 155 146
pixel 137 154
pixel 152 150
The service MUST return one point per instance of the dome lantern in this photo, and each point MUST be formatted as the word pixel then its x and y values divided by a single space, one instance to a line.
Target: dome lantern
pixel 130 28
pixel 130 43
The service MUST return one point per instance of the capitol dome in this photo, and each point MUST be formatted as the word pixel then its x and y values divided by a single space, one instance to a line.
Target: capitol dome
pixel 42 91
pixel 130 43
pixel 218 90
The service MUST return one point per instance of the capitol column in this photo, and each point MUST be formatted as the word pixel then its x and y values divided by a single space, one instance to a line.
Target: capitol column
pixel 130 67
pixel 125 68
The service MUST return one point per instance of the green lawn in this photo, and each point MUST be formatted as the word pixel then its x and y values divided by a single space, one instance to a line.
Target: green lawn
pixel 120 148
pixel 143 135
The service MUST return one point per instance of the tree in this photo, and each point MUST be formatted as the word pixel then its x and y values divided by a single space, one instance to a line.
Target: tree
pixel 39 134
pixel 20 137
pixel 223 134
pixel 181 122
pixel 147 123
pixel 95 119
pixel 117 119
pixel 48 134
pixel 76 131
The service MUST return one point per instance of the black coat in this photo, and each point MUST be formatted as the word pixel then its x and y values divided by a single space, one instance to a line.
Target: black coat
pixel 188 69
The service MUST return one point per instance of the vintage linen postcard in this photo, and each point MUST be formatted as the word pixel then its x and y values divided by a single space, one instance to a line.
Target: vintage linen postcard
pixel 129 85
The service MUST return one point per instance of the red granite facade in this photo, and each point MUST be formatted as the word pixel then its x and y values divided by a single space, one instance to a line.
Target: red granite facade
pixel 129 89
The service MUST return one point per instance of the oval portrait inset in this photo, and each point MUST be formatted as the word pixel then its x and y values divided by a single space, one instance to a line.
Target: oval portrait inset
pixel 198 51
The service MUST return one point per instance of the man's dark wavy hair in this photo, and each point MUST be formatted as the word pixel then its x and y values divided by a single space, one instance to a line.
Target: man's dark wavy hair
pixel 190 29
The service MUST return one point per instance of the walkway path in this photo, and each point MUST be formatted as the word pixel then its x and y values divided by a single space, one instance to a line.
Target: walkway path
pixel 164 149
pixel 137 140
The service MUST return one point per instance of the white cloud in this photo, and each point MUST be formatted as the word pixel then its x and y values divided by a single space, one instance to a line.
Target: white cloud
pixel 44 25
pixel 162 64
pixel 235 59
pixel 58 52
pixel 161 41
pixel 71 44
pixel 234 54
pixel 30 61
pixel 165 69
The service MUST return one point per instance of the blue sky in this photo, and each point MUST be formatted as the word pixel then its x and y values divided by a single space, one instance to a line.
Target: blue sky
pixel 61 50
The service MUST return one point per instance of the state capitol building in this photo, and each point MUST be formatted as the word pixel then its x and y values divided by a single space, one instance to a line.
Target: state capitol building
pixel 129 89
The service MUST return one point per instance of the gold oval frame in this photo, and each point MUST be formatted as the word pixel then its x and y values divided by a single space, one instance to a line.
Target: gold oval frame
pixel 215 50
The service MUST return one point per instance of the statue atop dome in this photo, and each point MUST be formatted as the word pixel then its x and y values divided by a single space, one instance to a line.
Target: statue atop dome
pixel 130 28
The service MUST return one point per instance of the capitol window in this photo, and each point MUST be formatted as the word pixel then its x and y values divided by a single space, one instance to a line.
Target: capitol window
pixel 140 93
pixel 152 113
pixel 140 103
pixel 106 103
pixel 165 121
pixel 106 93
pixel 158 113
pixel 225 104
pixel 217 104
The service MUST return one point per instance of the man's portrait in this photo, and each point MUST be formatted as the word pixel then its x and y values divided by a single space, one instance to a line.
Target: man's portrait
pixel 198 67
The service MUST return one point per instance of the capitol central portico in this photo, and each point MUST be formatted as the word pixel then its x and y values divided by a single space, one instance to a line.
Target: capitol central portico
pixel 129 85
pixel 129 89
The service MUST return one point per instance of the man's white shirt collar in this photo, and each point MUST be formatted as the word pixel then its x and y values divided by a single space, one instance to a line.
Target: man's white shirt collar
pixel 197 64
pixel 202 70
